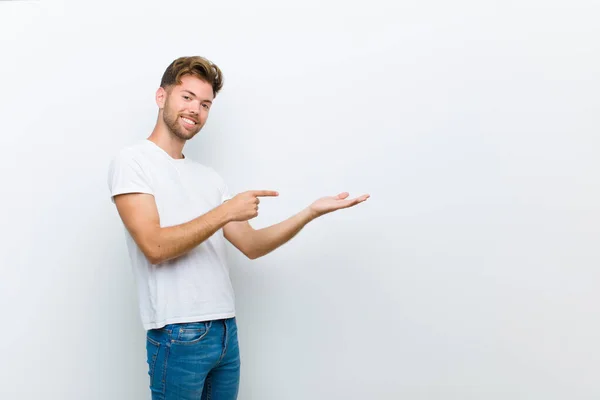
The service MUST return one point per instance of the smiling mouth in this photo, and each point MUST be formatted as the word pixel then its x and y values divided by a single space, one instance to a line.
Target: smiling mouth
pixel 188 121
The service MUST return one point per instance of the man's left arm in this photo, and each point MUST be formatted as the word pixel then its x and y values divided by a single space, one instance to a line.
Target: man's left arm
pixel 255 243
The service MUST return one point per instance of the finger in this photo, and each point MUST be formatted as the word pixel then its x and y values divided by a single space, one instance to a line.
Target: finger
pixel 264 193
pixel 360 199
pixel 257 201
pixel 355 201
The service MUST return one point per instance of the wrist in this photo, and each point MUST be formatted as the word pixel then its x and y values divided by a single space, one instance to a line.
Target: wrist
pixel 223 214
pixel 310 214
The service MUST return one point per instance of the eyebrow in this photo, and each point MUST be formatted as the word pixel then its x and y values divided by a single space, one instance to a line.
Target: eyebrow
pixel 194 94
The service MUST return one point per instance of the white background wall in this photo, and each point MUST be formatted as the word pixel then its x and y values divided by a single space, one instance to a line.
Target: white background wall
pixel 472 271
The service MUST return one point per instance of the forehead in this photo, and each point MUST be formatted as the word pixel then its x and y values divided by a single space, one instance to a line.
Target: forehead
pixel 197 86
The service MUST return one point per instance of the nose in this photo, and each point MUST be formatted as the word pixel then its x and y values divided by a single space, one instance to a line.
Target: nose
pixel 195 108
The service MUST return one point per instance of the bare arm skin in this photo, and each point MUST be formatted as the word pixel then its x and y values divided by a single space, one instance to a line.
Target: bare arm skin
pixel 139 213
pixel 257 243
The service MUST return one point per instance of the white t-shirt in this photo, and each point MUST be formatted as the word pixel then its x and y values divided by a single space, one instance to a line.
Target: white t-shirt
pixel 195 286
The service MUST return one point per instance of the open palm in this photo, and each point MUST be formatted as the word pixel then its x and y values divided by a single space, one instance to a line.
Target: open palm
pixel 328 204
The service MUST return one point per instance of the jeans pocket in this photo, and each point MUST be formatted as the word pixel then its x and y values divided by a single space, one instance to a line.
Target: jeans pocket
pixel 152 354
pixel 191 333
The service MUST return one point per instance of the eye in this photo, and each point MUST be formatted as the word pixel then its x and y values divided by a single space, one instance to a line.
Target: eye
pixel 206 106
pixel 187 97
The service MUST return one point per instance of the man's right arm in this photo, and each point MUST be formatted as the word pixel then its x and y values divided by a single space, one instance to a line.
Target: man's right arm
pixel 139 213
pixel 140 216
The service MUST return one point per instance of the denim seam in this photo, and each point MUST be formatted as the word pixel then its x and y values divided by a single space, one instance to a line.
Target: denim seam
pixel 164 371
pixel 154 358
pixel 154 342
pixel 208 388
pixel 225 340
pixel 190 342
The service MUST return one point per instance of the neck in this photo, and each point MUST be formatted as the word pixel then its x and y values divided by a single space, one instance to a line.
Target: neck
pixel 163 138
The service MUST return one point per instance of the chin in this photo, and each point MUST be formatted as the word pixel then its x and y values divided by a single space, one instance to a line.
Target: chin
pixel 185 135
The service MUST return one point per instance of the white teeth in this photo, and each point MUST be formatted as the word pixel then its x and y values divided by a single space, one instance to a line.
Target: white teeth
pixel 188 121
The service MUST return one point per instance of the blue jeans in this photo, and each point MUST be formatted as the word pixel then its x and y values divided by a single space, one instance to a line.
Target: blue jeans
pixel 199 360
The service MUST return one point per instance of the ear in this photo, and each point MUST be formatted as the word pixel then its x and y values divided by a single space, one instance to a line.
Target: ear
pixel 161 97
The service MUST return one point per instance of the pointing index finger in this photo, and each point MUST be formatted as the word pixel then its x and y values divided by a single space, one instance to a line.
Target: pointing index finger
pixel 265 193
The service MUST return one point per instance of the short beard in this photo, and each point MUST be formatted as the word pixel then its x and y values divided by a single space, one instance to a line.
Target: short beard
pixel 171 121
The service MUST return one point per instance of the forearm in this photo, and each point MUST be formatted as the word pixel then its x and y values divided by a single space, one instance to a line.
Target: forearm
pixel 268 239
pixel 171 242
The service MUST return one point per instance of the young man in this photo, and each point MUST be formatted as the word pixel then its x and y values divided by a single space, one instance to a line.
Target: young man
pixel 177 214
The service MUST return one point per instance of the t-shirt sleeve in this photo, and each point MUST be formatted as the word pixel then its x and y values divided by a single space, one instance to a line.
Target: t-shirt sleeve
pixel 226 194
pixel 223 188
pixel 126 175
